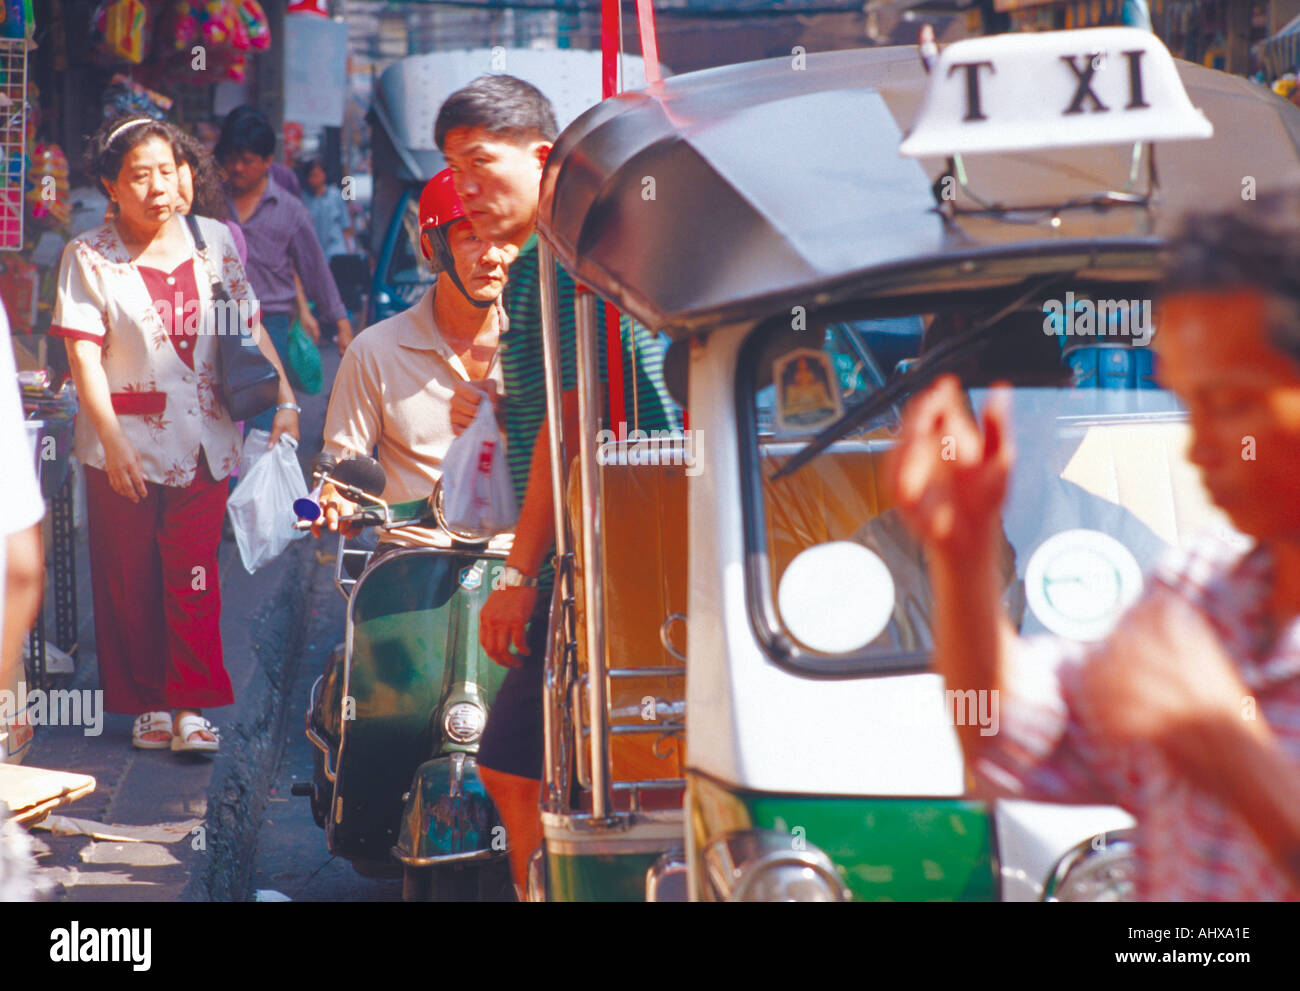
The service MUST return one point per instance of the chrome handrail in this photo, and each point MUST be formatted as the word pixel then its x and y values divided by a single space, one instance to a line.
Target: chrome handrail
pixel 557 671
pixel 589 409
pixel 667 671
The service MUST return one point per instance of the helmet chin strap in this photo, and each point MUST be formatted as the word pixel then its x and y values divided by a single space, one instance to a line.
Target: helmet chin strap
pixel 448 264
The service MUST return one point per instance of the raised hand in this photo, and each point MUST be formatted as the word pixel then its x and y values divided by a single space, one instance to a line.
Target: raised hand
pixel 949 475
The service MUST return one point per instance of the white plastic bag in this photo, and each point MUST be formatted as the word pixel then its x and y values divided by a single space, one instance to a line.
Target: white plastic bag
pixel 256 443
pixel 478 495
pixel 261 507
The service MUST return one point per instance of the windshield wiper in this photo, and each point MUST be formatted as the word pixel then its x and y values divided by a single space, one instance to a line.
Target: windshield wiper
pixel 928 368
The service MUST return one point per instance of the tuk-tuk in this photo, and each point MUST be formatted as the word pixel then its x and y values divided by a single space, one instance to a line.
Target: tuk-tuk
pixel 407 98
pixel 739 697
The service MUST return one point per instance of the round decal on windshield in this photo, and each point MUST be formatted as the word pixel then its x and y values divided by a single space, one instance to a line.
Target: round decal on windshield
pixel 1078 582
pixel 836 597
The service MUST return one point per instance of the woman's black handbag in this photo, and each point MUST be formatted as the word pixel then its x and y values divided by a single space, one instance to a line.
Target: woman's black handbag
pixel 249 383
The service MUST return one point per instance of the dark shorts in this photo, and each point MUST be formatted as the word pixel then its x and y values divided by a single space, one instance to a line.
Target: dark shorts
pixel 512 739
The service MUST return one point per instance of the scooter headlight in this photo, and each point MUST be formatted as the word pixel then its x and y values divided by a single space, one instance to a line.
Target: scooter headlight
pixel 464 722
pixel 766 866
pixel 1101 869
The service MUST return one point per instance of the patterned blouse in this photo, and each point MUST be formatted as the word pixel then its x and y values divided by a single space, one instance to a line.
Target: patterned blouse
pixel 169 407
pixel 1190 846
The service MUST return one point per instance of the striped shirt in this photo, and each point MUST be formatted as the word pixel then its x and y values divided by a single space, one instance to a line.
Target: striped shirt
pixel 524 371
pixel 1189 845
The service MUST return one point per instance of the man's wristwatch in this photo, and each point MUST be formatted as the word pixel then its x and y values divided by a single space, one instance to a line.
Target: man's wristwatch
pixel 512 577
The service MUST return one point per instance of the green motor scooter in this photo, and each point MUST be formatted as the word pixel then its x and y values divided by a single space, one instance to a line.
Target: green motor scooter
pixel 397 716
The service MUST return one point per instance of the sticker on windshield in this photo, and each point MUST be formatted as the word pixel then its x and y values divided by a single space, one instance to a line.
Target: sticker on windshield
pixel 836 597
pixel 1079 582
pixel 807 391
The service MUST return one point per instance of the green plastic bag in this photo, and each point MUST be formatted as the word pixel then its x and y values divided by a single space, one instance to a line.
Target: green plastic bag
pixel 304 362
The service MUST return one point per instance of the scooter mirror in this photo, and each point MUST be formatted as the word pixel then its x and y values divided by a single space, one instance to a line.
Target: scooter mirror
pixel 361 472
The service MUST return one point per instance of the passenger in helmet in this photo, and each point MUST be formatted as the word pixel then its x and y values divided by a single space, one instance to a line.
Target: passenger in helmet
pixel 403 388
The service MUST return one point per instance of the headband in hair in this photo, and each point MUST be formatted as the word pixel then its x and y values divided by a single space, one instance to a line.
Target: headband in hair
pixel 122 127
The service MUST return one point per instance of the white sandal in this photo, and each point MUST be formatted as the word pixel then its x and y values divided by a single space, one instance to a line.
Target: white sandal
pixel 191 724
pixel 152 722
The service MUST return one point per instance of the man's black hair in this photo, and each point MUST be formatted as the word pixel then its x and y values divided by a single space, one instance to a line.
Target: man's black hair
pixel 504 106
pixel 1252 246
pixel 245 129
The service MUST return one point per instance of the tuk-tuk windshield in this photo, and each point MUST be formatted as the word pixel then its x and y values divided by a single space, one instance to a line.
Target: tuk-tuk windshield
pixel 1100 488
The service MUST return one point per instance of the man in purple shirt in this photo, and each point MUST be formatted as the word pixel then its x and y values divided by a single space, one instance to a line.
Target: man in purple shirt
pixel 279 232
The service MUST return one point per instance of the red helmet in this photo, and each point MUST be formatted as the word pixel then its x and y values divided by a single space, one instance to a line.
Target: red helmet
pixel 439 206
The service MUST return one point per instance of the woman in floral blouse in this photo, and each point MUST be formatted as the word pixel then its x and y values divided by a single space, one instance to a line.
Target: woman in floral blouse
pixel 134 305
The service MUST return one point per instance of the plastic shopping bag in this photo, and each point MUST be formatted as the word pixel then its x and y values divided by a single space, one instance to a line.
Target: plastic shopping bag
pixel 478 495
pixel 261 507
pixel 304 361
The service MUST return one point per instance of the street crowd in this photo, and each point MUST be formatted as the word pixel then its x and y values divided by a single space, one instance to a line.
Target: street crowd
pixel 1150 719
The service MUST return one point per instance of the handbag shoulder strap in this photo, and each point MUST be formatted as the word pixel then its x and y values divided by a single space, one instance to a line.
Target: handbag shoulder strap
pixel 193 223
pixel 218 286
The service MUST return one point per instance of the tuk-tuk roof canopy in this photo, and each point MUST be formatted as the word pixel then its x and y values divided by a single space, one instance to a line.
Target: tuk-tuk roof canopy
pixel 735 192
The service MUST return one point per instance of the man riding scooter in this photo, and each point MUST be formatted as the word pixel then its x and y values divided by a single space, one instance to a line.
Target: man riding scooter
pixel 411 383
pixel 398 713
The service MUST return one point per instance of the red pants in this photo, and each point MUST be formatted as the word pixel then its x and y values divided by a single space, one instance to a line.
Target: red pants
pixel 153 564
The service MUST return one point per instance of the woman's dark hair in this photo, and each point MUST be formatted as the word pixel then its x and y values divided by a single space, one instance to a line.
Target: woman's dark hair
pixel 209 196
pixel 305 169
pixel 1253 246
pixel 113 141
pixel 504 106
pixel 245 129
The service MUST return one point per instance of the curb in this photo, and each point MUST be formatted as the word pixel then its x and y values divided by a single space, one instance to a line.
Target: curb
pixel 252 742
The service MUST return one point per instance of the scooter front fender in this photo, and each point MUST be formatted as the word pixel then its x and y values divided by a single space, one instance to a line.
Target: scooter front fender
pixel 448 816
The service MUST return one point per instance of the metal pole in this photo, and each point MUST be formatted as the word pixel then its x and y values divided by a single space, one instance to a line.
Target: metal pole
pixel 554 773
pixel 589 408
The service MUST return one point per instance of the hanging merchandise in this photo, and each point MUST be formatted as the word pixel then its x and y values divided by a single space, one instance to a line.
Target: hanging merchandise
pixel 47 192
pixel 13 19
pixel 213 23
pixel 256 23
pixel 206 41
pixel 120 31
pixel 179 29
pixel 125 96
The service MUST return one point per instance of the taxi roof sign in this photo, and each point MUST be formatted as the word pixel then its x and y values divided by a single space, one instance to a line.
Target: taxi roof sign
pixel 1055 89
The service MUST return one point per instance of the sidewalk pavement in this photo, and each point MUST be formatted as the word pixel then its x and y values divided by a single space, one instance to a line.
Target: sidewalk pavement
pixel 209 808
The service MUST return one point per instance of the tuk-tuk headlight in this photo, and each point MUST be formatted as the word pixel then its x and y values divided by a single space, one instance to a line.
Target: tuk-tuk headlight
pixel 464 722
pixel 1100 869
pixel 767 866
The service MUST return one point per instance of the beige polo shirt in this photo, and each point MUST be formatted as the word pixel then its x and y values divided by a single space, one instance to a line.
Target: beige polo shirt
pixel 393 391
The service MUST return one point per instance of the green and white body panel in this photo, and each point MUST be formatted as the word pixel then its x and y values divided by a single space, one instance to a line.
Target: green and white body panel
pixel 870 767
pixel 586 863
